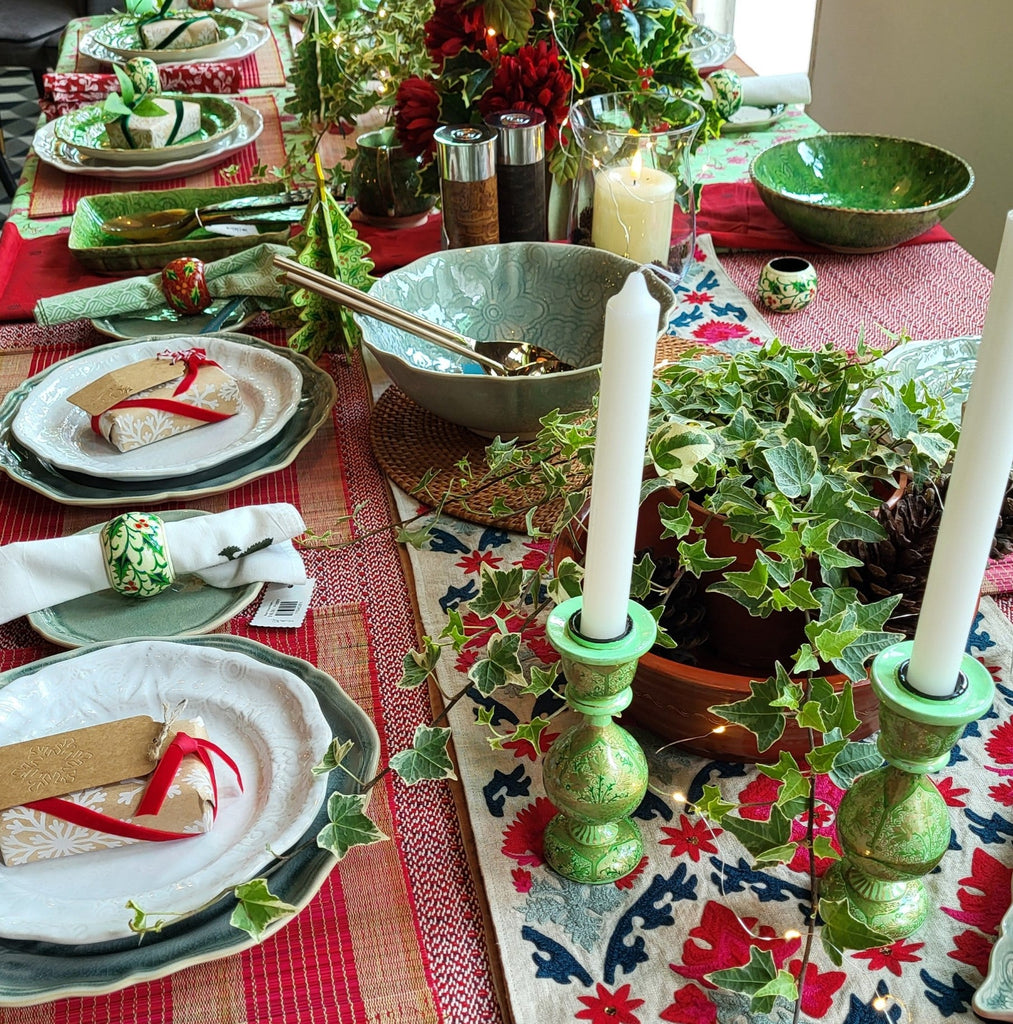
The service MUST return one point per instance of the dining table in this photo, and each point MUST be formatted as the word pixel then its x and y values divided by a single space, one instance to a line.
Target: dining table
pixel 455 916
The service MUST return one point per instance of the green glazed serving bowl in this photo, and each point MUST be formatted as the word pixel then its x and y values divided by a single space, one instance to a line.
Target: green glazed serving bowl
pixel 860 193
pixel 544 293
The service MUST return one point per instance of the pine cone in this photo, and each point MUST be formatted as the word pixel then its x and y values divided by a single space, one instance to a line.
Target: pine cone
pixel 899 564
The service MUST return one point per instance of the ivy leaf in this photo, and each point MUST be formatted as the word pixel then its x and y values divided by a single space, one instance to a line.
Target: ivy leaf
pixel 510 18
pixel 542 679
pixel 500 665
pixel 823 847
pixel 640 583
pixel 349 825
pixel 416 666
pixel 333 756
pixel 760 837
pixel 677 449
pixel 805 660
pixel 712 805
pixel 694 559
pixel 497 587
pixel 822 758
pixel 756 713
pixel 776 855
pixel 794 466
pixel 842 930
pixel 839 711
pixel 257 908
pixel 759 979
pixel 427 758
pixel 855 759
pixel 529 731
pixel 676 520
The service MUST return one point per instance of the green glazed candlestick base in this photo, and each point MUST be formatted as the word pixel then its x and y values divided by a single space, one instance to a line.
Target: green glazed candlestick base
pixel 893 824
pixel 596 773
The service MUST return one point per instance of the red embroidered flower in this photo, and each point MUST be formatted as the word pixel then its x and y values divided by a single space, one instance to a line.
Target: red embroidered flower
pixel 719 330
pixel 972 948
pixel 690 1005
pixel 479 631
pixel 818 989
pixel 626 882
pixel 525 748
pixel 981 904
pixel 891 957
pixel 692 837
pixel 532 79
pixel 452 27
pixel 1000 745
pixel 522 879
pixel 698 298
pixel 724 941
pixel 522 838
pixel 1002 794
pixel 610 1007
pixel 474 560
pixel 535 555
pixel 417 116
pixel 951 794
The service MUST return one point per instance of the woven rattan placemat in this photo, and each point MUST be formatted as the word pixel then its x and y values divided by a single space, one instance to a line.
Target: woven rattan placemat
pixel 422 454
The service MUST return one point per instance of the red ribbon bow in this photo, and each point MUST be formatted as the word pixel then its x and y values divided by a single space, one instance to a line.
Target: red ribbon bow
pixel 193 359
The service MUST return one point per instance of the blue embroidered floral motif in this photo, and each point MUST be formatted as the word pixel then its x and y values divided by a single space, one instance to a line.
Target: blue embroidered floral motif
pixel 654 910
pixel 500 712
pixel 651 807
pixel 956 756
pixel 501 785
pixel 455 595
pixel 718 769
pixel 492 538
pixel 950 999
pixel 691 316
pixel 446 542
pixel 979 641
pixel 709 282
pixel 730 310
pixel 863 1013
pixel 990 830
pixel 547 703
pixel 766 887
pixel 1007 695
pixel 557 963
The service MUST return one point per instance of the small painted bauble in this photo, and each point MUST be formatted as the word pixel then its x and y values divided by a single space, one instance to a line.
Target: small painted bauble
pixel 726 89
pixel 184 285
pixel 143 75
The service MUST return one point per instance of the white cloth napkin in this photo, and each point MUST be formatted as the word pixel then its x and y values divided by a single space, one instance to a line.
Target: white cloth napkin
pixel 770 90
pixel 36 574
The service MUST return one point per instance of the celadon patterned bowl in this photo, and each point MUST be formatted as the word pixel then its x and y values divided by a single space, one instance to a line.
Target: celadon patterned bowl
pixel 544 293
pixel 860 193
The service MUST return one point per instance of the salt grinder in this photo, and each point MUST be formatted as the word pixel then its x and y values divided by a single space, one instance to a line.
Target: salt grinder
pixel 467 162
pixel 520 175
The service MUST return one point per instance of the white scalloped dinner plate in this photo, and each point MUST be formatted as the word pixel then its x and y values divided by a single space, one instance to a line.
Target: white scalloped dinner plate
pixel 60 433
pixel 251 37
pixel 263 716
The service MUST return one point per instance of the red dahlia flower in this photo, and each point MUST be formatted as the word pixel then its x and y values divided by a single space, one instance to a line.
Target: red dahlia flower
pixel 417 116
pixel 452 27
pixel 532 79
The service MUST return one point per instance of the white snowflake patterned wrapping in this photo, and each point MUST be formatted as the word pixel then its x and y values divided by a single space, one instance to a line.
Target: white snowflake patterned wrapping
pixel 28 834
pixel 133 426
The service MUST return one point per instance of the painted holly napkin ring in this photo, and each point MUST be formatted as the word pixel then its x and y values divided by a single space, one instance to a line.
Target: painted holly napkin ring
pixel 136 554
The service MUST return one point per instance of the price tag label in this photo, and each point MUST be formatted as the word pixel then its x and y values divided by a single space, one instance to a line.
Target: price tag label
pixel 284 606
pixel 233 230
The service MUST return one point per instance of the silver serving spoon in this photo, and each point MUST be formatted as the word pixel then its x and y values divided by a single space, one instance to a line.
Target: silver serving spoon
pixel 498 358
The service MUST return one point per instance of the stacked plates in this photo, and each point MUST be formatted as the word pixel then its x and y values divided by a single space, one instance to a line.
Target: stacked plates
pixel 76 143
pixel 274 714
pixel 120 38
pixel 47 444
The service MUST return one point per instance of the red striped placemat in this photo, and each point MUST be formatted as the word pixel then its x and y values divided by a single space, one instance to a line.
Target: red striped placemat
pixel 56 193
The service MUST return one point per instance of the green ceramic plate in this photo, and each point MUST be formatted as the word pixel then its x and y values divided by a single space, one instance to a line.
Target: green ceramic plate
pixel 85 130
pixel 189 607
pixel 37 972
pixel 121 36
pixel 315 402
pixel 169 321
pixel 96 250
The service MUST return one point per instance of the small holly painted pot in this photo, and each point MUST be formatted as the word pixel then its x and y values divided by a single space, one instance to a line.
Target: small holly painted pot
pixel 143 75
pixel 787 284
pixel 726 90
pixel 201 5
pixel 185 286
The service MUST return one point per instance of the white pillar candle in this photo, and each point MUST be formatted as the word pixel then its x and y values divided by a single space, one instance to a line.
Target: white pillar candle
pixel 981 470
pixel 631 334
pixel 632 211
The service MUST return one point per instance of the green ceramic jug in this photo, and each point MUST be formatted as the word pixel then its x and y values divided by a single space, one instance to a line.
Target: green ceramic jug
pixel 386 184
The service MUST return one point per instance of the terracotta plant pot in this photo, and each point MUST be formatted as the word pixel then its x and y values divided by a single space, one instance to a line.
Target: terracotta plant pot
pixel 671 699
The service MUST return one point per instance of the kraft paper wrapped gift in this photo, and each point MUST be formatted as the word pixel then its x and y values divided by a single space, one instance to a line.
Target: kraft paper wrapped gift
pixel 179 119
pixel 151 399
pixel 85 790
pixel 178 33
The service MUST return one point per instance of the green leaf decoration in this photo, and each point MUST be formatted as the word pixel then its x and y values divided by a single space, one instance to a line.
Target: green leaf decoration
pixel 500 665
pixel 842 930
pixel 541 680
pixel 529 731
pixel 676 520
pixel 417 666
pixel 349 825
pixel 823 847
pixel 853 760
pixel 257 908
pixel 427 758
pixel 333 756
pixel 694 559
pixel 567 581
pixel 760 837
pixel 759 979
pixel 793 465
pixel 756 713
pixel 822 758
pixel 712 805
pixel 510 18
pixel 497 587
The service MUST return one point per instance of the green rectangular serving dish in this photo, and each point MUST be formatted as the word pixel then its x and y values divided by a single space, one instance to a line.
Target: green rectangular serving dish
pixel 105 254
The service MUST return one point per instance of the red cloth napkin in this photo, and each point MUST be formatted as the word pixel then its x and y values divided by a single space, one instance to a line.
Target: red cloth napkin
pixel 62 93
pixel 735 217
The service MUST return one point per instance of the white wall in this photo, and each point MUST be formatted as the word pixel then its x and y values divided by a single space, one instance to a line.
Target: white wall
pixel 933 70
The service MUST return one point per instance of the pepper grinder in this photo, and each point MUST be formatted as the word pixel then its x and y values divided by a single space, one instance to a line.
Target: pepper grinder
pixel 520 175
pixel 466 157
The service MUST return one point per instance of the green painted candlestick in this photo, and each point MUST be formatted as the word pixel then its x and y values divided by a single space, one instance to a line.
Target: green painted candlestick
pixel 893 824
pixel 596 773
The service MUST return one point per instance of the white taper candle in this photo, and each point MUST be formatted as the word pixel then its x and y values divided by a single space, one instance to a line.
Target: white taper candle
pixel 981 469
pixel 631 334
